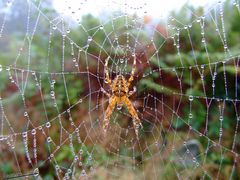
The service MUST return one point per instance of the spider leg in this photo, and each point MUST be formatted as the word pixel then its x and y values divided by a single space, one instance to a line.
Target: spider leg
pixel 133 71
pixel 105 92
pixel 136 121
pixel 107 79
pixel 132 92
pixel 108 112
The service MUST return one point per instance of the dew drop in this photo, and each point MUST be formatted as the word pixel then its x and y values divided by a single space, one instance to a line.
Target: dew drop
pixel 190 115
pixel 81 151
pixel 105 81
pixel 48 124
pixel 221 118
pixel 0 68
pixel 75 158
pixel 83 173
pixel 33 131
pixel 119 107
pixel 54 27
pixel 190 98
pixel 24 134
pixel 49 139
pixel 52 93
pixel 89 39
pixel 25 114
pixel 121 60
pixel 36 172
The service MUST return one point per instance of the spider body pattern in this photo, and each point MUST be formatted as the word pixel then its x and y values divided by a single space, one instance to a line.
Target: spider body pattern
pixel 120 96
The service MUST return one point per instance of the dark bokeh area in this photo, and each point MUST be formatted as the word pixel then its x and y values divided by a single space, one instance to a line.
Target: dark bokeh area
pixel 52 108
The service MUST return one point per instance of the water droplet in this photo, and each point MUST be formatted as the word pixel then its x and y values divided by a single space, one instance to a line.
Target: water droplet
pixel 83 173
pixel 48 124
pixel 76 158
pixel 80 100
pixel 101 27
pixel 119 107
pixel 52 93
pixel 190 98
pixel 69 171
pixel 36 172
pixel 24 134
pixel 33 131
pixel 49 139
pixel 68 31
pixel 105 81
pixel 0 68
pixel 221 118
pixel 190 115
pixel 90 158
pixel 89 39
pixel 25 114
pixel 54 27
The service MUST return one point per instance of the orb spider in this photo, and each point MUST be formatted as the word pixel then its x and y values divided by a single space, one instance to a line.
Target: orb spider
pixel 120 96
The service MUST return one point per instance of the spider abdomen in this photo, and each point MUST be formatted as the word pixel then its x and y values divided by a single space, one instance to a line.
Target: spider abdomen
pixel 120 86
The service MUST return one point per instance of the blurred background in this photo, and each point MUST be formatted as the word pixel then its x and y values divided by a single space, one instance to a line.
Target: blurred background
pixel 52 56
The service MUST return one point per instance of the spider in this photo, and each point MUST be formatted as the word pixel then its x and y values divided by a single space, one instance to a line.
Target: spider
pixel 120 96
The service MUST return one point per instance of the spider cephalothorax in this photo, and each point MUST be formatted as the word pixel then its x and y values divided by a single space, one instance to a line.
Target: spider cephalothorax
pixel 120 96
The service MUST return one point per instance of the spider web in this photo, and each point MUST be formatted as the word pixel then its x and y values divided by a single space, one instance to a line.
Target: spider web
pixel 52 106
